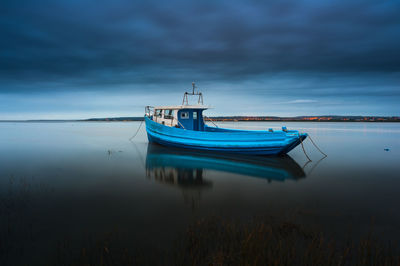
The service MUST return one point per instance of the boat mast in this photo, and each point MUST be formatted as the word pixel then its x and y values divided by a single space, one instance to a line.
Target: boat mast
pixel 185 100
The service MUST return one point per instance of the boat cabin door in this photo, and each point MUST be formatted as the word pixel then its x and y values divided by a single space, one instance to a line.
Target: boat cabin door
pixel 195 121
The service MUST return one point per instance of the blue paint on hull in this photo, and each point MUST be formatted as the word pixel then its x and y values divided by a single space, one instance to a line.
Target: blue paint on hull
pixel 225 140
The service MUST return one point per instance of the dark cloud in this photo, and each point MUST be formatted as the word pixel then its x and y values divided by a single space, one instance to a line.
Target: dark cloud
pixel 83 58
pixel 100 43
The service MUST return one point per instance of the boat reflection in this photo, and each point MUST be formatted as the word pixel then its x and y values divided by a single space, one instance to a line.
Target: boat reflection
pixel 185 168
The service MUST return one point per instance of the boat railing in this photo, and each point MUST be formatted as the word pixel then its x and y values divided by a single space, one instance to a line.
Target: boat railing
pixel 149 111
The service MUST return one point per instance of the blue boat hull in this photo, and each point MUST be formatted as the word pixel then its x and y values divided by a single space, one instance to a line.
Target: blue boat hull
pixel 225 140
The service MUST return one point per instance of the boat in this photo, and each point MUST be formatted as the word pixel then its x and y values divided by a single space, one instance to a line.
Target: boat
pixel 184 126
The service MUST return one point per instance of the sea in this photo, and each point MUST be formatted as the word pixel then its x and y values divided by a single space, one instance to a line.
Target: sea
pixel 67 186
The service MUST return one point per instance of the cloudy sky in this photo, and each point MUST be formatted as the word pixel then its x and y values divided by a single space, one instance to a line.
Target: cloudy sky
pixel 79 58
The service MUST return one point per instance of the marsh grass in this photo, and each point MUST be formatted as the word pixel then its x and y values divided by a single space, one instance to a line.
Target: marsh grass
pixel 260 241
pixel 263 241
pixel 112 249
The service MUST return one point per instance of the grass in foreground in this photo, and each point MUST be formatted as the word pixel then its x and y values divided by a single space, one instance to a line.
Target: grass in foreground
pixel 258 242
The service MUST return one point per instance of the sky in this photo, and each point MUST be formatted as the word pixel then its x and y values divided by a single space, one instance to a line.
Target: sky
pixel 76 59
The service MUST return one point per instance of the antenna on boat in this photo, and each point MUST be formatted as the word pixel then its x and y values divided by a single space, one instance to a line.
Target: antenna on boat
pixel 185 100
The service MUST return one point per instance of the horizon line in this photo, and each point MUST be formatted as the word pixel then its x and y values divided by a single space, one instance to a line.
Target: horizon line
pixel 217 116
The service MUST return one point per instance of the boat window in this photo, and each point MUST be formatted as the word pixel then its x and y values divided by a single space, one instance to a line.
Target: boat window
pixel 184 115
pixel 158 113
pixel 169 114
pixel 194 115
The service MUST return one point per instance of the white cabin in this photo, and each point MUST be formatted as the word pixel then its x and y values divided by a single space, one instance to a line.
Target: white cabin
pixel 181 116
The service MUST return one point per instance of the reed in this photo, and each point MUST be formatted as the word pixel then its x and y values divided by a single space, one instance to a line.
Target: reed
pixel 263 241
pixel 260 241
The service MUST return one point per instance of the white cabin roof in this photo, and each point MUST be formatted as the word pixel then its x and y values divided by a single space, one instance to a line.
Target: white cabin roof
pixel 179 107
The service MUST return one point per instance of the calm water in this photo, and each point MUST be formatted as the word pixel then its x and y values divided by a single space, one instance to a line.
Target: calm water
pixel 76 183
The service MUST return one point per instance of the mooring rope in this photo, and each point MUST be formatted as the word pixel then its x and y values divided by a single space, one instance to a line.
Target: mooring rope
pixel 137 131
pixel 209 119
pixel 302 146
pixel 317 146
pixel 315 165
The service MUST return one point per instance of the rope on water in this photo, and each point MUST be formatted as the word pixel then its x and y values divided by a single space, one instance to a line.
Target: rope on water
pixel 302 146
pixel 137 131
pixel 315 165
pixel 317 146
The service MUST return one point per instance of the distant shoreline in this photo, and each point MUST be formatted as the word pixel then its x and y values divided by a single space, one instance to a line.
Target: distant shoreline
pixel 379 119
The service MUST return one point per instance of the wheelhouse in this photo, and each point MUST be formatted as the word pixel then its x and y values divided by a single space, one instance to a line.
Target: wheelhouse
pixel 188 117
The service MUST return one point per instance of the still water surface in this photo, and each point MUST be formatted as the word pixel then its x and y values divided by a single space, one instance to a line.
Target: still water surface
pixel 74 181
